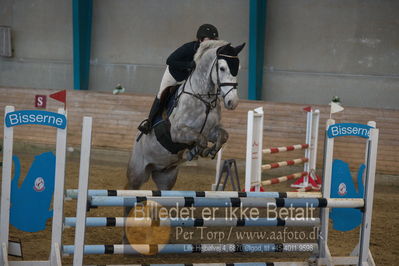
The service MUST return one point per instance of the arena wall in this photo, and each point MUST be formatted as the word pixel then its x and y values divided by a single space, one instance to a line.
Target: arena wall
pixel 116 117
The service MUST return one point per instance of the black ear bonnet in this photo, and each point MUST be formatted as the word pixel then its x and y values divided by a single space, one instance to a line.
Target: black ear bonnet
pixel 229 54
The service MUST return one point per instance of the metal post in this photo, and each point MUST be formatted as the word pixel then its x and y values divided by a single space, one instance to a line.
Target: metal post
pixel 257 29
pixel 82 20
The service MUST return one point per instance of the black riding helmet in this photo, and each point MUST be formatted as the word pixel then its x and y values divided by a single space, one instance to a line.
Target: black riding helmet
pixel 207 31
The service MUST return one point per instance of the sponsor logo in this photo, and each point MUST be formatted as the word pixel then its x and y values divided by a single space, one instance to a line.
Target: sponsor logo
pixel 342 191
pixel 39 184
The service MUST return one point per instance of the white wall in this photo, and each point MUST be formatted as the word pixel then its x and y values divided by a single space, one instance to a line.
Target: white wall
pixel 318 49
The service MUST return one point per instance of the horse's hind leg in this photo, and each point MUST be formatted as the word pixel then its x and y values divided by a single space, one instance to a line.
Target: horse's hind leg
pixel 137 175
pixel 138 172
pixel 165 179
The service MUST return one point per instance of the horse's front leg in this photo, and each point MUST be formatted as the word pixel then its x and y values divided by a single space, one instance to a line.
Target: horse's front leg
pixel 189 136
pixel 218 136
pixel 198 150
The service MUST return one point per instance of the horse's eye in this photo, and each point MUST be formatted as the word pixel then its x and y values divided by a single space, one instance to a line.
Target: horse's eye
pixel 222 69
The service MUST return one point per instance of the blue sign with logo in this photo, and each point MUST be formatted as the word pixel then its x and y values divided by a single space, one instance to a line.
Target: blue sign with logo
pixel 35 117
pixel 342 186
pixel 349 129
pixel 31 201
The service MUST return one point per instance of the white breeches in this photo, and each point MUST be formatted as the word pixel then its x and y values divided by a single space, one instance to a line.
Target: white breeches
pixel 167 81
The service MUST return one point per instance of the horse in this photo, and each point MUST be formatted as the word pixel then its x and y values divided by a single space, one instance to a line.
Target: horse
pixel 194 120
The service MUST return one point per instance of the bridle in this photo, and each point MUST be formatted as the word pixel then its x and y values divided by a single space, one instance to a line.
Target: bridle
pixel 219 84
pixel 214 97
pixel 202 96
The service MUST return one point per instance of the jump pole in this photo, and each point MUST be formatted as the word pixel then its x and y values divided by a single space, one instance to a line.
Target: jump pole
pixel 253 162
pixel 191 222
pixel 80 229
pixel 365 257
pixel 355 252
pixel 99 201
pixel 58 202
pixel 277 180
pixel 6 188
pixel 226 264
pixel 326 191
pixel 139 249
pixel 218 166
pixel 73 194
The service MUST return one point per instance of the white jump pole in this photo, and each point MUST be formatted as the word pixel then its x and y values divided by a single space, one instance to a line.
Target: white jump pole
pixel 6 188
pixel 253 173
pixel 365 257
pixel 58 202
pixel 308 140
pixel 81 208
pixel 218 163
pixel 315 140
pixel 326 192
pixel 249 169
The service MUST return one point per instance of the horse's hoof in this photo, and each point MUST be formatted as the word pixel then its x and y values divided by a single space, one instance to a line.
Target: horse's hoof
pixel 205 153
pixel 190 156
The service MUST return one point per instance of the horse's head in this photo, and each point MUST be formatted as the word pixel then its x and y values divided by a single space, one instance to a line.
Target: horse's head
pixel 225 72
pixel 217 68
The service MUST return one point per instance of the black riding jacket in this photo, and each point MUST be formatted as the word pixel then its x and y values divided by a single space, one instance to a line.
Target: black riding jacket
pixel 180 62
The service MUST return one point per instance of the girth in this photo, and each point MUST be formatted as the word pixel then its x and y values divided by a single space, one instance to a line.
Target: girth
pixel 162 133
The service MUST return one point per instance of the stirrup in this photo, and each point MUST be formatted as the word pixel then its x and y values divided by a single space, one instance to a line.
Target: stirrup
pixel 145 126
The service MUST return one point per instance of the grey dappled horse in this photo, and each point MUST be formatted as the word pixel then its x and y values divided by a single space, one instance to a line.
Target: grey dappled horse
pixel 195 120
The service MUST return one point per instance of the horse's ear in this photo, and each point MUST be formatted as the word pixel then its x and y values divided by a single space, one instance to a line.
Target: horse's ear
pixel 224 47
pixel 239 48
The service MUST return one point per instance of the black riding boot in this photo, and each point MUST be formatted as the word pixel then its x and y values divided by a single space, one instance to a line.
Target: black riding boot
pixel 146 125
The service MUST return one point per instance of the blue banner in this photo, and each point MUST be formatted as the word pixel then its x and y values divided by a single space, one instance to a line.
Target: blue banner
pixel 31 201
pixel 35 117
pixel 342 186
pixel 349 129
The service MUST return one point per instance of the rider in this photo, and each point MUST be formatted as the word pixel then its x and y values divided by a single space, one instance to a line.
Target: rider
pixel 179 66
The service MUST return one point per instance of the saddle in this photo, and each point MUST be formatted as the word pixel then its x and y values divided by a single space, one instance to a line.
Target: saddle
pixel 161 123
pixel 166 105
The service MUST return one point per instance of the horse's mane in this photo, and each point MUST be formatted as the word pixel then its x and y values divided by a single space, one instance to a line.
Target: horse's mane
pixel 205 46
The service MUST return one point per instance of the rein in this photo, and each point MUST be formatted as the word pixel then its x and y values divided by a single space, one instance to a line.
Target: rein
pixel 210 105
